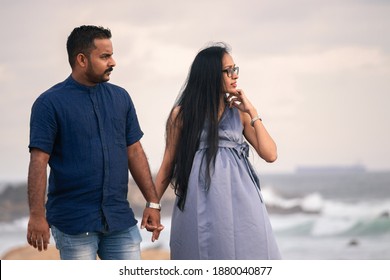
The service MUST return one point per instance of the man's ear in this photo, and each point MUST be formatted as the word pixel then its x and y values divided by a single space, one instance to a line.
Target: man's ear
pixel 81 60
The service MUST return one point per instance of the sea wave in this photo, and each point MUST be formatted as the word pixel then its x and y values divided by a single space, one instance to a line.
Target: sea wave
pixel 312 215
pixel 15 225
pixel 315 203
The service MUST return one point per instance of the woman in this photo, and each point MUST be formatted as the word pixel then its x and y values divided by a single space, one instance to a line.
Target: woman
pixel 220 213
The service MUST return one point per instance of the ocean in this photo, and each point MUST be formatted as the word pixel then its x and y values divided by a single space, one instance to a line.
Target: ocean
pixel 315 216
pixel 331 215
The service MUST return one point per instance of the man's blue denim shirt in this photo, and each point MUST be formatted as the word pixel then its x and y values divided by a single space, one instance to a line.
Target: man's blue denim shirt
pixel 86 131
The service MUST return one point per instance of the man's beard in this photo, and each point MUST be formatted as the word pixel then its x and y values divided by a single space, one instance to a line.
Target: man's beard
pixel 95 78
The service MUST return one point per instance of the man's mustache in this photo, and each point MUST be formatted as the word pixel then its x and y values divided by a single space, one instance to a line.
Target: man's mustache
pixel 109 70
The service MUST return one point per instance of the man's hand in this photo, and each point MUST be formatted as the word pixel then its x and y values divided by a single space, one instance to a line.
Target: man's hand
pixel 151 221
pixel 38 233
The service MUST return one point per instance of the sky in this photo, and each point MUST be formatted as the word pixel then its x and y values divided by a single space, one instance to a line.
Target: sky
pixel 317 71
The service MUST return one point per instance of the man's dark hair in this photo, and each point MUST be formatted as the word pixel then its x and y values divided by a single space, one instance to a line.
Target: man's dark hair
pixel 81 40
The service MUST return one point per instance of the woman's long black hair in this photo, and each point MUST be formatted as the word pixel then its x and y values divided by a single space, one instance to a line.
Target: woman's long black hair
pixel 199 102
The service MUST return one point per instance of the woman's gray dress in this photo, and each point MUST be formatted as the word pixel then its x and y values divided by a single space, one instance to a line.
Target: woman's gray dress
pixel 227 220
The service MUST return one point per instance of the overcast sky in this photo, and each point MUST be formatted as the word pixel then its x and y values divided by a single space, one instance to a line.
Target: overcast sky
pixel 317 71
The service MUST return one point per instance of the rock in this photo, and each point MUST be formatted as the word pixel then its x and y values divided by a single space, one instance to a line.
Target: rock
pixel 353 242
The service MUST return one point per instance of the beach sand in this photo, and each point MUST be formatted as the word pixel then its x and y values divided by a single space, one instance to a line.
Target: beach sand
pixel 29 253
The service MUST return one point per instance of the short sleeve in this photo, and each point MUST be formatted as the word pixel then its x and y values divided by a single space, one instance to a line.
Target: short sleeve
pixel 43 126
pixel 133 129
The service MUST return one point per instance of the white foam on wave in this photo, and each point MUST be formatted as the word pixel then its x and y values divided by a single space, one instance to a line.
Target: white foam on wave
pixel 315 202
pixel 316 216
pixel 16 225
pixel 310 203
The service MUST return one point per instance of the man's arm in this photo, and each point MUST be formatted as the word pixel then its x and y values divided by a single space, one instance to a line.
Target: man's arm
pixel 38 233
pixel 140 170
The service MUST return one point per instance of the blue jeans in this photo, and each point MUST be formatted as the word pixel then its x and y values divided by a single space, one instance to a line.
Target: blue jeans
pixel 121 245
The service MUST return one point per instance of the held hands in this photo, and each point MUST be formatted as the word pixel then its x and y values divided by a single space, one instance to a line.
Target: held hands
pixel 38 233
pixel 151 221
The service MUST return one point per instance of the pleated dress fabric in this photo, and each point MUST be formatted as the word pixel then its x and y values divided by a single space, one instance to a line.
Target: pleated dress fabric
pixel 227 218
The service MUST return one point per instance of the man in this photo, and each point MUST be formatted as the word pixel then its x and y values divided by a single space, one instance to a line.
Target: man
pixel 87 131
